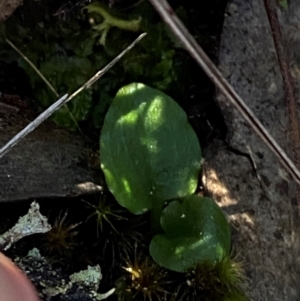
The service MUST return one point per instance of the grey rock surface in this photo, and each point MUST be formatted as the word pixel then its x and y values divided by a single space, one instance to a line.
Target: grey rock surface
pixel 50 162
pixel 254 189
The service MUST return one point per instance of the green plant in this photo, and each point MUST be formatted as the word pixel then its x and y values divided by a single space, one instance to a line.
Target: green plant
pixel 104 212
pixel 151 160
pixel 67 53
pixel 144 162
pixel 195 231
pixel 111 21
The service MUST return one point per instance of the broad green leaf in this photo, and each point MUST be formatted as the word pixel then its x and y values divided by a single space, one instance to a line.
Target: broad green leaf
pixel 149 151
pixel 196 231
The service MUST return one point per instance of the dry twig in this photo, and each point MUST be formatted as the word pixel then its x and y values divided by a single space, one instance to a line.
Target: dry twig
pixel 63 100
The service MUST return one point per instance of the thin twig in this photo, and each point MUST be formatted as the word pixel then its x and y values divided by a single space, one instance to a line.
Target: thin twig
pixel 41 75
pixel 180 31
pixel 289 88
pixel 25 58
pixel 63 100
pixel 290 93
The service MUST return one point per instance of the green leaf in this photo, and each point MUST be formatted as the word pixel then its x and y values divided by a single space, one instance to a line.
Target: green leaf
pixel 196 231
pixel 149 151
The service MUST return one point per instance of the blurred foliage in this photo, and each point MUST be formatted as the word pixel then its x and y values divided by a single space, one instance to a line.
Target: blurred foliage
pixel 67 51
pixel 284 4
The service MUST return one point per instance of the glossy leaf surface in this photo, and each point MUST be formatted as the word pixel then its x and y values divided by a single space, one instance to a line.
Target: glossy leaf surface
pixel 196 231
pixel 149 151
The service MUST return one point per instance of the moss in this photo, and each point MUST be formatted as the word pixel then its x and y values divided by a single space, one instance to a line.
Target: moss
pixel 221 281
pixel 60 240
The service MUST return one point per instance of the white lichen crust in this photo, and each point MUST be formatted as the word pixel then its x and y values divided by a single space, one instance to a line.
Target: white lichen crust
pixel 31 223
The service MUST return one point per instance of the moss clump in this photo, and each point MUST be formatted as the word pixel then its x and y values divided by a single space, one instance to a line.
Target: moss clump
pixel 222 281
pixel 144 280
pixel 60 240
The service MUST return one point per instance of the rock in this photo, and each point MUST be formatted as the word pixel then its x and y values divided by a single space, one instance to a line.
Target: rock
pixel 50 162
pixel 7 7
pixel 246 179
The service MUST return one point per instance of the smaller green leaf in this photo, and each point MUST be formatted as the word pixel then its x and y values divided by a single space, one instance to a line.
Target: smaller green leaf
pixel 196 231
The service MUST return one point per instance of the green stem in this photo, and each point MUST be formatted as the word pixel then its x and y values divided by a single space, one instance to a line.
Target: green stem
pixel 111 21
